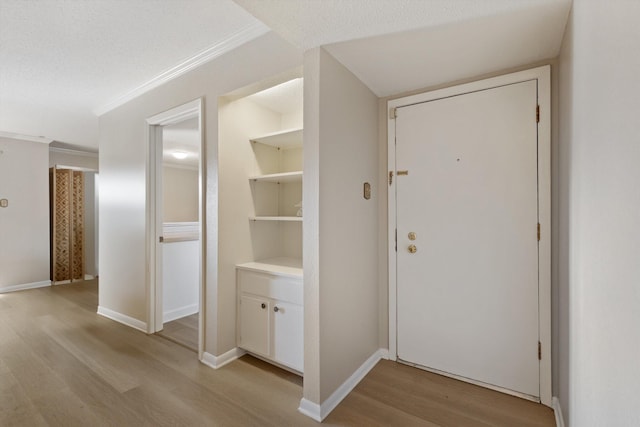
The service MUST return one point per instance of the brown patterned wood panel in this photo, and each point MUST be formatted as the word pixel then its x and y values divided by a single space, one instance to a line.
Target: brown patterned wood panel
pixel 62 218
pixel 67 224
pixel 77 228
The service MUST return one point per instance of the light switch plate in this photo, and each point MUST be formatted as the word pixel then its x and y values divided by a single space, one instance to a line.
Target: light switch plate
pixel 4 203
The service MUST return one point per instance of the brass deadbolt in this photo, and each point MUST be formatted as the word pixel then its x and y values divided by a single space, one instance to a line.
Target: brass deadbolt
pixel 412 235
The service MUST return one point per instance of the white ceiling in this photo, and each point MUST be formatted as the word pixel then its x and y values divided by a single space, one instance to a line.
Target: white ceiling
pixel 64 62
pixel 395 46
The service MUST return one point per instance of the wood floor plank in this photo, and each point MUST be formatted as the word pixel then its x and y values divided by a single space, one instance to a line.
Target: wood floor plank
pixel 15 407
pixel 63 365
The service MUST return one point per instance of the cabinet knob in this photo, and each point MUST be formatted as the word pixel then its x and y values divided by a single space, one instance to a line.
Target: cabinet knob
pixel 276 309
pixel 263 305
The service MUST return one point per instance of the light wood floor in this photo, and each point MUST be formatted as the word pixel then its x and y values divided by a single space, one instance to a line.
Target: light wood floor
pixel 63 365
pixel 182 331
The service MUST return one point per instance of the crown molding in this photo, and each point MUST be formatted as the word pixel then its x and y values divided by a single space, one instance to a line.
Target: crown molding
pixel 236 39
pixel 29 138
pixel 74 152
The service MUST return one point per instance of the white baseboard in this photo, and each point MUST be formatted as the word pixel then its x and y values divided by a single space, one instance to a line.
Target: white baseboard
pixel 88 277
pixel 310 409
pixel 557 410
pixel 216 362
pixel 384 353
pixel 61 282
pixel 320 412
pixel 122 318
pixel 34 285
pixel 179 313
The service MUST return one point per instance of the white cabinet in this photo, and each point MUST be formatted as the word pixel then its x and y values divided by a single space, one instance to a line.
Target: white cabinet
pixel 270 311
pixel 254 324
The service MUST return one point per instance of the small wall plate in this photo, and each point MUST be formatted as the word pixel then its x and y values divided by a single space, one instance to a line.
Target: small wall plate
pixel 366 191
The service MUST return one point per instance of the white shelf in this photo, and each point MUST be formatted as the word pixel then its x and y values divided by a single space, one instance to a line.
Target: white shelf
pixel 279 177
pixel 276 218
pixel 290 138
pixel 279 266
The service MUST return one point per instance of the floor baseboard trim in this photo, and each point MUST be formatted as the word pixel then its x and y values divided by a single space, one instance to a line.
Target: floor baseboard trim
pixel 320 412
pixel 557 410
pixel 179 313
pixel 217 362
pixel 25 286
pixel 123 318
pixel 310 409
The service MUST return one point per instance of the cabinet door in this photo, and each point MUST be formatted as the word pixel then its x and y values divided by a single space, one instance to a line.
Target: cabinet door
pixel 254 324
pixel 288 334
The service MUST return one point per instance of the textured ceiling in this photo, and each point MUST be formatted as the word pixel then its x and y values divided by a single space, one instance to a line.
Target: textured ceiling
pixel 402 62
pixel 73 57
pixel 311 23
pixel 62 62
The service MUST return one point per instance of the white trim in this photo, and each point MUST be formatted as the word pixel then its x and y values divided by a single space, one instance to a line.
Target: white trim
pixel 122 318
pixel 217 362
pixel 310 409
pixel 76 168
pixel 542 75
pixel 557 410
pixel 29 138
pixel 233 41
pixel 320 412
pixel 61 282
pixel 34 285
pixel 154 227
pixel 92 154
pixel 88 277
pixel 179 313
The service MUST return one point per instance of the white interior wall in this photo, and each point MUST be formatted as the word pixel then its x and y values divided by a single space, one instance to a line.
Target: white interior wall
pixel 24 224
pixel 80 159
pixel 123 183
pixel 599 134
pixel 90 224
pixel 180 194
pixel 344 240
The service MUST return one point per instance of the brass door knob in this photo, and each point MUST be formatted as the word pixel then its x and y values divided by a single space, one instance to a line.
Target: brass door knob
pixel 412 249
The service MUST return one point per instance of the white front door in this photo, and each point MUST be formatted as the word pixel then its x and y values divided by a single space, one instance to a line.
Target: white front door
pixel 467 298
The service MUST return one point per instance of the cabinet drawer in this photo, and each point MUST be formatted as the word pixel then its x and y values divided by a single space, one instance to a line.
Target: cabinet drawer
pixel 281 288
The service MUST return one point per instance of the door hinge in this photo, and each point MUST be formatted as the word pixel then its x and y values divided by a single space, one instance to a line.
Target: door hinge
pixel 393 113
pixel 538 232
pixel 390 177
pixel 161 239
pixel 396 240
pixel 537 114
pixel 539 350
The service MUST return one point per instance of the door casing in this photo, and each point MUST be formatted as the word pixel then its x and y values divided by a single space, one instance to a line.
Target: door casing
pixel 543 76
pixel 155 123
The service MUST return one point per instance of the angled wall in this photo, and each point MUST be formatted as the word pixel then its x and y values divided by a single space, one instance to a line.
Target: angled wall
pixel 340 229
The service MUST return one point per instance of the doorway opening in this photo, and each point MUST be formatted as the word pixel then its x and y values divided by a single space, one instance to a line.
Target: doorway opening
pixel 176 223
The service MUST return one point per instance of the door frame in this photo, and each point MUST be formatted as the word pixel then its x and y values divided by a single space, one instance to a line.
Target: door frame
pixel 543 77
pixel 154 227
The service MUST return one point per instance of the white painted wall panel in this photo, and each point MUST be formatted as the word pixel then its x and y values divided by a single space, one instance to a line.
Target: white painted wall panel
pixel 24 224
pixel 600 272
